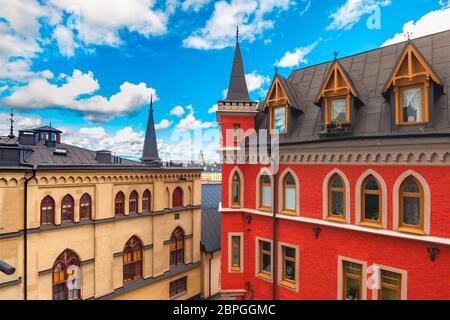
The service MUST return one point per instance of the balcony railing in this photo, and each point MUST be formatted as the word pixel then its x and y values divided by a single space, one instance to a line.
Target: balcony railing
pixel 336 128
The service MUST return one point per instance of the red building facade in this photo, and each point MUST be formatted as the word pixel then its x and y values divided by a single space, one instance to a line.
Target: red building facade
pixel 359 207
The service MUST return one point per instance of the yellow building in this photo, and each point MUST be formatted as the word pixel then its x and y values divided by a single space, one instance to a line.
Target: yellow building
pixel 80 224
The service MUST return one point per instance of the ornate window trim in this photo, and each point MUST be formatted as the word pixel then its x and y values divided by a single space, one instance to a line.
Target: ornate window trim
pixel 281 182
pixel 259 183
pixel 426 203
pixel 237 171
pixel 231 268
pixel 326 197
pixel 359 199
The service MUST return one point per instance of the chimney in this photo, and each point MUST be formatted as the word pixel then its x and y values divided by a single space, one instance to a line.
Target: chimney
pixel 103 156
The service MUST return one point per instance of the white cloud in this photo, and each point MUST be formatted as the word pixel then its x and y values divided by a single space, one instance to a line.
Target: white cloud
pixel 252 16
pixel 21 121
pixel 432 22
pixel 296 57
pixel 65 39
pixel 346 16
pixel 306 8
pixel 194 5
pixel 163 124
pixel 19 70
pixel 255 81
pixel 41 94
pixel 3 89
pixel 177 111
pixel 213 108
pixel 191 123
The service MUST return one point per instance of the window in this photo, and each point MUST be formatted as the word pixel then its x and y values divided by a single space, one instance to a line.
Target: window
pixel 66 277
pixel 352 280
pixel 177 247
pixel 279 120
pixel 146 200
pixel 133 202
pixel 85 206
pixel 265 259
pixel 390 286
pixel 411 205
pixel 132 260
pixel 237 133
pixel 235 253
pixel 47 211
pixel 177 287
pixel 119 206
pixel 265 192
pixel 53 136
pixel 67 209
pixel 411 105
pixel 236 191
pixel 371 201
pixel 337 110
pixel 289 194
pixel 177 198
pixel 288 277
pixel 336 198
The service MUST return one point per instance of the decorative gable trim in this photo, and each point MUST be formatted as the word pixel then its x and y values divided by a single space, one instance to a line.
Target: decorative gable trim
pixel 276 96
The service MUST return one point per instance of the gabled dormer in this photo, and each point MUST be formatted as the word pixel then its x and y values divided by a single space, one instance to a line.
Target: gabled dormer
pixel 410 88
pixel 336 97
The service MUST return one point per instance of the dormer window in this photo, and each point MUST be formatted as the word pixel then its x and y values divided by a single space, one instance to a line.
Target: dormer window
pixel 278 103
pixel 335 97
pixel 410 82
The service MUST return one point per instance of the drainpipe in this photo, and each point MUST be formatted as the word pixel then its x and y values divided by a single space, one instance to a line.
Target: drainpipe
pixel 25 235
pixel 210 258
pixel 274 232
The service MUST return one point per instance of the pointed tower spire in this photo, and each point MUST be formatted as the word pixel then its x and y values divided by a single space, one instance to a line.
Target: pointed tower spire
pixel 150 152
pixel 237 88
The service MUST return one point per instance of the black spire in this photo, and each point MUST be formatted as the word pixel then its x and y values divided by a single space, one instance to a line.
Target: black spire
pixel 150 152
pixel 237 88
pixel 11 130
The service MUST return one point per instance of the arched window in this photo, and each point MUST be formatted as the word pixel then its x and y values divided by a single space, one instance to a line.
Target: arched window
pixel 236 191
pixel 85 206
pixel 66 277
pixel 133 202
pixel 265 192
pixel 177 247
pixel 289 194
pixel 146 201
pixel 119 206
pixel 411 204
pixel 67 208
pixel 132 260
pixel 47 211
pixel 336 198
pixel 371 202
pixel 177 198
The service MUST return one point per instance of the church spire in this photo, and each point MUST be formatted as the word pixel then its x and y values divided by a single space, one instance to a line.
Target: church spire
pixel 237 88
pixel 150 152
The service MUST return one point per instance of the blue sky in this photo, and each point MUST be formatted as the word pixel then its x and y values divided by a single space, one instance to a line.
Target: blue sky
pixel 90 67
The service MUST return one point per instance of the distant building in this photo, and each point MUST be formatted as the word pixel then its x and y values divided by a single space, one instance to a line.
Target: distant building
pixel 124 229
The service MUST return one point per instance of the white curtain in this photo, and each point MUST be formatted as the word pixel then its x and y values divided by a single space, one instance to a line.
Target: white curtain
pixel 412 100
pixel 338 107
pixel 289 199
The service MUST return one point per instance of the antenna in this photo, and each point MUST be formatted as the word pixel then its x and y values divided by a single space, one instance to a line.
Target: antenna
pixel 11 130
pixel 237 33
pixel 408 35
pixel 335 54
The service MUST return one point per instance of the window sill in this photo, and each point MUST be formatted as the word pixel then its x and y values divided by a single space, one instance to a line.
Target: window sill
pixel 289 213
pixel 176 296
pixel 235 206
pixel 336 219
pixel 265 276
pixel 288 284
pixel 412 230
pixel 412 123
pixel 370 224
pixel 266 209
pixel 235 269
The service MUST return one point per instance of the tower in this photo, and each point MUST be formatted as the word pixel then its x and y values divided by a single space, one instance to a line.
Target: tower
pixel 150 151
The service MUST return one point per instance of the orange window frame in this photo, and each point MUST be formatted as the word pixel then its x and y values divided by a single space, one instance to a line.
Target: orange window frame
pixel 379 193
pixel 285 187
pixel 235 247
pixel 424 103
pixel 343 190
pixel 420 195
pixel 328 102
pixel 272 119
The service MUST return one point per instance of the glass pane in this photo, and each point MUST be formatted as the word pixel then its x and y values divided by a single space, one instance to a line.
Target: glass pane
pixel 266 263
pixel 290 180
pixel 289 252
pixel 236 256
pixel 372 207
pixel 289 270
pixel 337 182
pixel 390 278
pixel 411 211
pixel 266 196
pixel 266 179
pixel 235 192
pixel 371 184
pixel 337 203
pixel 279 119
pixel 338 110
pixel 412 105
pixel 353 268
pixel 289 199
pixel 388 294
pixel 353 289
pixel 266 246
pixel 411 186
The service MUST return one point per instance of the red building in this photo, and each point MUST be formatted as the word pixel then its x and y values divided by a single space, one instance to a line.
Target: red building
pixel 360 205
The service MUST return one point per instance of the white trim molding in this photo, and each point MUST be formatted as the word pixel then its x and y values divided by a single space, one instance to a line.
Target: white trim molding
pixel 281 190
pixel 426 199
pixel 230 252
pixel 404 281
pixel 358 198
pixel 340 286
pixel 257 259
pixel 280 265
pixel 263 171
pixel 325 201
pixel 230 186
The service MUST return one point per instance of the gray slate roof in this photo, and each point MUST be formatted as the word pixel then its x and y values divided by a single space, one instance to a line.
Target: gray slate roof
pixel 237 88
pixel 369 71
pixel 211 218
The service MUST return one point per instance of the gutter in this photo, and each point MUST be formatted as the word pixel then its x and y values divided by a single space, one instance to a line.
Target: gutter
pixel 209 274
pixel 25 235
